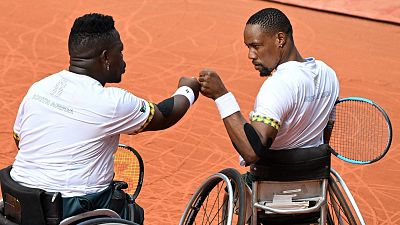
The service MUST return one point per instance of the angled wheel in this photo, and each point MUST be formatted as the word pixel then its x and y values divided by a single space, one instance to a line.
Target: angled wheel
pixel 219 200
pixel 338 208
pixel 239 196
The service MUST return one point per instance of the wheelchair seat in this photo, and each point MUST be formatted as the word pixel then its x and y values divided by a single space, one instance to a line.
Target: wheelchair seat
pixel 23 205
pixel 291 185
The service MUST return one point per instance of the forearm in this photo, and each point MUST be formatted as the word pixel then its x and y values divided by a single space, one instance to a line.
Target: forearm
pixel 234 125
pixel 171 110
pixel 180 107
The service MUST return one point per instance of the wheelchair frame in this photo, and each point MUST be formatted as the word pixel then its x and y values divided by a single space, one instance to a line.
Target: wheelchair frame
pixel 192 208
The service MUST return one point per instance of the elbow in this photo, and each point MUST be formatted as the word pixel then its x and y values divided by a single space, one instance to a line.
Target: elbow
pixel 250 158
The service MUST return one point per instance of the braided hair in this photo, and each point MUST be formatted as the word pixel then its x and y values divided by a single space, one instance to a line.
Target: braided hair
pixel 272 21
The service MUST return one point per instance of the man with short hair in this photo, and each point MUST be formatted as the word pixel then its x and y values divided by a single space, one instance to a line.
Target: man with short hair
pixel 69 124
pixel 293 105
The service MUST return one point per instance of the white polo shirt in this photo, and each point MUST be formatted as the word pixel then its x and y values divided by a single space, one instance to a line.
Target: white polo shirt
pixel 299 96
pixel 69 127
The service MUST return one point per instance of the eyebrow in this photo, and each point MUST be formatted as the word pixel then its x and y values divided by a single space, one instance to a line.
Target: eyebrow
pixel 253 44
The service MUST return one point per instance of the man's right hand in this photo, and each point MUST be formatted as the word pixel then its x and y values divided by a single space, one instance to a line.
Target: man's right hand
pixel 191 82
pixel 211 84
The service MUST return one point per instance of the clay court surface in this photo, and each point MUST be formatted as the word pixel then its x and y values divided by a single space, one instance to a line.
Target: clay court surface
pixel 167 39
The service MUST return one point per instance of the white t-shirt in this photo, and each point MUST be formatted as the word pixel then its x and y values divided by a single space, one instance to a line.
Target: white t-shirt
pixel 69 127
pixel 299 96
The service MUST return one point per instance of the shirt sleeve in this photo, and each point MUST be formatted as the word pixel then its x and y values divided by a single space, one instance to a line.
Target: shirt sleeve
pixel 132 114
pixel 18 121
pixel 273 101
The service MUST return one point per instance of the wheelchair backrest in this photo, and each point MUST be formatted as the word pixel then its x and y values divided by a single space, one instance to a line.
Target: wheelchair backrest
pixel 293 165
pixel 24 205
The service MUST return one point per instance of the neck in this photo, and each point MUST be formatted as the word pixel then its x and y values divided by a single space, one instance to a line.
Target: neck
pixel 79 70
pixel 84 67
pixel 291 54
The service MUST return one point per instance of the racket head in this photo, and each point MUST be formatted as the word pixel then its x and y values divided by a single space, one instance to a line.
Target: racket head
pixel 362 132
pixel 129 167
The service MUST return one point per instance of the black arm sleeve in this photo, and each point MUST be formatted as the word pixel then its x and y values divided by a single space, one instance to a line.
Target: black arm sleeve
pixel 255 142
pixel 166 106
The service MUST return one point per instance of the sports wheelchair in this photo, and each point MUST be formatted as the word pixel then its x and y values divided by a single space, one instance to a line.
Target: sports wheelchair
pixel 31 206
pixel 289 187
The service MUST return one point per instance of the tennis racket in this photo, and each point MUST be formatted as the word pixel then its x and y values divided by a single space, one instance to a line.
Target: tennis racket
pixel 129 167
pixel 362 132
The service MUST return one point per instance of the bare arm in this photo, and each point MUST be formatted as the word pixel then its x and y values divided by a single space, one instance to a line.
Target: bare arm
pixel 179 106
pixel 234 125
pixel 213 87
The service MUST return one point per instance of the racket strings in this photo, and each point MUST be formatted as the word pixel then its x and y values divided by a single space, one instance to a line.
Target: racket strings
pixel 127 168
pixel 360 131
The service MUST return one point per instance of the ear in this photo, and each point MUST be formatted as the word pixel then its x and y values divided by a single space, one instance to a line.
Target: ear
pixel 105 58
pixel 104 54
pixel 280 39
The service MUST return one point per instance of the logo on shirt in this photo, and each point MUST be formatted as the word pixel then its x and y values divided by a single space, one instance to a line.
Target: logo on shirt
pixel 53 104
pixel 143 108
pixel 312 98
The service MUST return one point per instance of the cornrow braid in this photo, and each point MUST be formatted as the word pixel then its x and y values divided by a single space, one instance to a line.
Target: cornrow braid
pixel 272 21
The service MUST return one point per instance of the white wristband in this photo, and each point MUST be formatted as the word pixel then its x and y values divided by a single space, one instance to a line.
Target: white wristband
pixel 227 105
pixel 187 92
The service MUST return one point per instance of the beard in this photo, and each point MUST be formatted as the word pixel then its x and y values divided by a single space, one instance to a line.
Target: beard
pixel 265 72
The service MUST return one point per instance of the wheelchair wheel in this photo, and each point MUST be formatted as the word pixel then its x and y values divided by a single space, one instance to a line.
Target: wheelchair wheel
pixel 107 221
pixel 219 200
pixel 239 195
pixel 338 210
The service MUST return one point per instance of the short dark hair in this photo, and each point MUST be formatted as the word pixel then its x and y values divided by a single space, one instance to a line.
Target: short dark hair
pixel 271 21
pixel 90 32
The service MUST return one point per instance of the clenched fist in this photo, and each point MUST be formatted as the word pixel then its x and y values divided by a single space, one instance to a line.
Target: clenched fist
pixel 211 84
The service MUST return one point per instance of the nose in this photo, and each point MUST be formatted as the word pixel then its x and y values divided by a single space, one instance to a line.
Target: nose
pixel 251 54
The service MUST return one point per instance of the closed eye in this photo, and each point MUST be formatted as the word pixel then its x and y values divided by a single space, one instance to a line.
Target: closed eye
pixel 252 45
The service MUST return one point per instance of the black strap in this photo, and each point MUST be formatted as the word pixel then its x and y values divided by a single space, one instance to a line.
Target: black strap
pixel 293 164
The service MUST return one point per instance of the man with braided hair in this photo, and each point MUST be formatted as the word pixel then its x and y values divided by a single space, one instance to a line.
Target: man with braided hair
pixel 293 105
pixel 69 124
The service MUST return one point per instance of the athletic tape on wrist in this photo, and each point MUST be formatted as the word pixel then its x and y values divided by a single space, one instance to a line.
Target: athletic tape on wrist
pixel 187 92
pixel 227 105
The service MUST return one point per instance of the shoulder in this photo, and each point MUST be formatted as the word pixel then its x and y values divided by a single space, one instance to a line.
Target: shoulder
pixel 323 66
pixel 44 83
pixel 123 98
pixel 118 94
pixel 282 79
pixel 277 89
